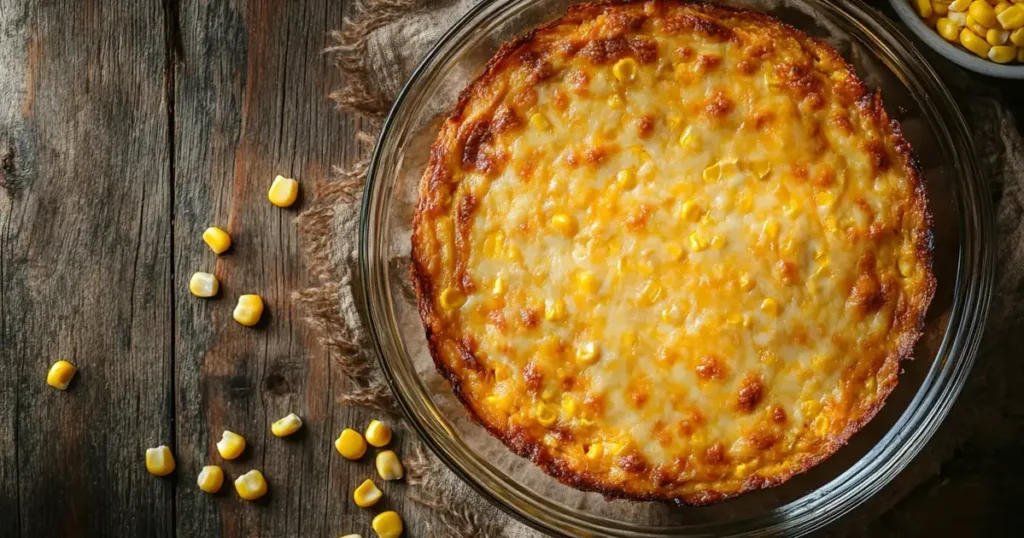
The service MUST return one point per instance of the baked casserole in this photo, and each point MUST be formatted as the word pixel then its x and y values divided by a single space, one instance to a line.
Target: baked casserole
pixel 671 251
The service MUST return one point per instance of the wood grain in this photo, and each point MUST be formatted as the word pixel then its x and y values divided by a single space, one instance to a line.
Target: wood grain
pixel 84 268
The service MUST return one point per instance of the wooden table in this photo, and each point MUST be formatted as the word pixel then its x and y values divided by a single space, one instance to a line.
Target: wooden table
pixel 126 128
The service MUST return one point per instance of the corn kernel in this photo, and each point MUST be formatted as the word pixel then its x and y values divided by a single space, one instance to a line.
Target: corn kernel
pixel 451 298
pixel 1001 7
pixel 378 433
pixel 564 224
pixel 350 444
pixel 1002 54
pixel 554 309
pixel 539 122
pixel 1020 54
pixel 697 242
pixel 387 524
pixel 286 426
pixel 997 37
pixel 690 211
pixel 389 467
pixel 159 461
pixel 203 285
pixel 626 179
pixel 690 139
pixel 973 43
pixel 251 486
pixel 674 251
pixel 586 282
pixel 231 445
pixel 249 310
pixel 924 8
pixel 770 306
pixel 283 191
pixel 958 18
pixel 625 70
pixel 60 374
pixel 976 27
pixel 770 229
pixel 940 8
pixel 948 29
pixel 587 353
pixel 712 173
pixel 1017 37
pixel 746 283
pixel 546 414
pixel 651 293
pixel 218 240
pixel 983 13
pixel 211 478
pixel 717 242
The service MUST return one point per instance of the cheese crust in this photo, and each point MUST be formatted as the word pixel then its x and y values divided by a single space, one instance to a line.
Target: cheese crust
pixel 671 251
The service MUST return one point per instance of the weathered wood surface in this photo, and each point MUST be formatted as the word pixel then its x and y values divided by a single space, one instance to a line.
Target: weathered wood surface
pixel 126 128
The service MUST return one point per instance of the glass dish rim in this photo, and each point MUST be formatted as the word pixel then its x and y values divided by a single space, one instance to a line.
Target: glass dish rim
pixel 859 482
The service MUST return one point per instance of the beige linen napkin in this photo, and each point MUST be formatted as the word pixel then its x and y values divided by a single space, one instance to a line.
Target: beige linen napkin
pixel 378 50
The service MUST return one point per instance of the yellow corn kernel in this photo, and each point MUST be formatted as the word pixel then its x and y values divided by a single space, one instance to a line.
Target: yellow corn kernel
pixel 218 240
pixel 615 102
pixel 283 191
pixel 211 478
pixel 60 374
pixel 203 285
pixel 690 211
pixel 231 445
pixel 651 292
pixel 350 444
pixel 940 7
pixel 973 43
pixel 1012 18
pixel 451 298
pixel 628 339
pixel 674 251
pixel 387 524
pixel 251 485
pixel 770 229
pixel 690 139
pixel 1017 37
pixel 587 353
pixel 626 179
pixel 378 434
pixel 924 8
pixel 670 314
pixel 249 310
pixel 367 494
pixel 824 199
pixel 286 426
pixel 499 286
pixel 554 309
pixel 546 414
pixel 983 13
pixel 586 282
pixel 159 461
pixel 697 242
pixel 1002 54
pixel 539 122
pixel 746 283
pixel 389 467
pixel 770 306
pixel 959 18
pixel 563 223
pixel 976 27
pixel 997 37
pixel 960 5
pixel 948 29
pixel 625 70
pixel 712 173
pixel 717 242
pixel 595 451
pixel 1001 7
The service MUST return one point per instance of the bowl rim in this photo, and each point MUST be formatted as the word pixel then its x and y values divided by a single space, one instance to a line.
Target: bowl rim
pixel 962 335
pixel 951 52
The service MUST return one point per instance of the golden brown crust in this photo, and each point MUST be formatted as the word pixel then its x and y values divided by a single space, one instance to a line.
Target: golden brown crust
pixel 464 142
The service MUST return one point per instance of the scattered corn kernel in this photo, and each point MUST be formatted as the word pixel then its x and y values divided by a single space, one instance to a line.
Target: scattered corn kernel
pixel 60 374
pixel 924 8
pixel 203 285
pixel 586 282
pixel 378 433
pixel 689 139
pixel 959 18
pixel 940 7
pixel 770 306
pixel 1002 54
pixel 1012 18
pixel 539 122
pixel 983 13
pixel 712 173
pixel 389 467
pixel 231 445
pixel 674 251
pixel 564 224
pixel 973 43
pixel 283 191
pixel 587 353
pixel 1017 37
pixel 218 240
pixel 697 242
pixel 211 478
pixel 690 211
pixel 997 37
pixel 771 229
pixel 717 242
pixel 251 485
pixel 350 444
pixel 626 179
pixel 387 524
pixel 960 5
pixel 948 29
pixel 367 494
pixel 159 461
pixel 625 70
pixel 554 309
pixel 249 310
pixel 1000 7
pixel 976 27
pixel 746 283
pixel 286 426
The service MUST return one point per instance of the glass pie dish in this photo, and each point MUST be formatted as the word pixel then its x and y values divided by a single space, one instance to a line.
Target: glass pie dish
pixel 962 227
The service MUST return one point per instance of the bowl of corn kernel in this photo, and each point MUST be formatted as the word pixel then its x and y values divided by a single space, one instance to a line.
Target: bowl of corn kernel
pixel 985 36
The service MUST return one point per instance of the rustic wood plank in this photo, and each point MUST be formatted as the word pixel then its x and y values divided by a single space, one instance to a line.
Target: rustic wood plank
pixel 251 102
pixel 84 268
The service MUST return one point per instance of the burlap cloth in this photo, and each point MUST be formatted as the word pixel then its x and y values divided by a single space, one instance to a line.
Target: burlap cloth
pixel 378 50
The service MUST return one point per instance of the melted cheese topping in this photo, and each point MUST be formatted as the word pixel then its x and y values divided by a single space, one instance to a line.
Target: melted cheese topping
pixel 671 253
